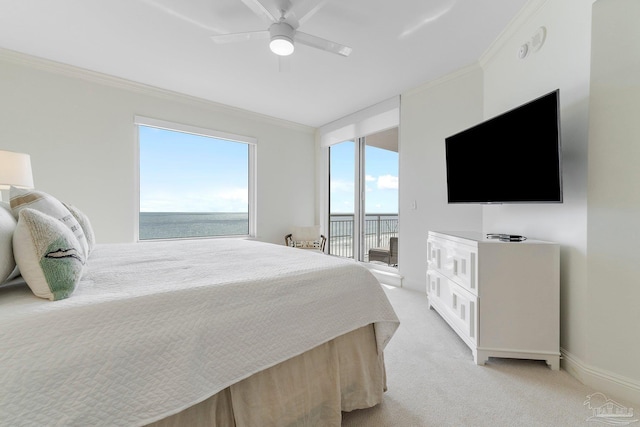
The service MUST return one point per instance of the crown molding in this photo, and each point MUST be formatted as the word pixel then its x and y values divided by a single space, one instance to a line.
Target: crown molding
pixel 71 71
pixel 528 10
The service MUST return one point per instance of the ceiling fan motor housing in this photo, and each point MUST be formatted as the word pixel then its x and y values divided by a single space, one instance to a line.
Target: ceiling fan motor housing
pixel 281 38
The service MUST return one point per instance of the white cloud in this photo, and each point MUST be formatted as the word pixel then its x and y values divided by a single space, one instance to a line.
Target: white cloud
pixel 387 182
pixel 240 194
pixel 225 200
pixel 339 185
pixel 370 178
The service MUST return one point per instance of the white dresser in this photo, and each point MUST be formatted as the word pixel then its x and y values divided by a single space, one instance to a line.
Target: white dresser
pixel 501 298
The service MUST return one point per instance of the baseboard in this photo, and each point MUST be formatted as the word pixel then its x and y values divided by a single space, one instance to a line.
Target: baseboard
pixel 615 386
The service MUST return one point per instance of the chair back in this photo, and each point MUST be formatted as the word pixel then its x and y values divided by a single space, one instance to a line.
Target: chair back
pixel 393 250
pixel 307 237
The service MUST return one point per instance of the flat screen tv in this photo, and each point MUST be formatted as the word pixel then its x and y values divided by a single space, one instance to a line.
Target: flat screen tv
pixel 512 158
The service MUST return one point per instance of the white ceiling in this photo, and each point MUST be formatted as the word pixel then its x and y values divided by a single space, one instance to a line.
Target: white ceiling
pixel 166 43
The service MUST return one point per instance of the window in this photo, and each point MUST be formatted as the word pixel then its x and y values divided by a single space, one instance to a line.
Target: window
pixel 194 182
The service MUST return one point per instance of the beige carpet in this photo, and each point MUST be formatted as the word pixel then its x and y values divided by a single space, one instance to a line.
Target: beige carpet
pixel 433 381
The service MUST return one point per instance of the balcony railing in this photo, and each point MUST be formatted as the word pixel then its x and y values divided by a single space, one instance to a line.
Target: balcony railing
pixel 378 229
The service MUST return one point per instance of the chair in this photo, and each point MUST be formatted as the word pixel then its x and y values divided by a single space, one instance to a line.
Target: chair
pixel 388 255
pixel 306 238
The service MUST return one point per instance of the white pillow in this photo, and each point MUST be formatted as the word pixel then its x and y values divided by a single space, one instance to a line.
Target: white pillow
pixel 84 222
pixel 48 255
pixel 46 203
pixel 7 227
pixel 306 234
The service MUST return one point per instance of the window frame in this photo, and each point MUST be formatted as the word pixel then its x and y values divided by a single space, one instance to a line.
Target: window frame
pixel 252 144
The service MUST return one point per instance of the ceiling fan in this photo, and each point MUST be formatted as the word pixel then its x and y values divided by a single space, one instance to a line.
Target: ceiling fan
pixel 283 31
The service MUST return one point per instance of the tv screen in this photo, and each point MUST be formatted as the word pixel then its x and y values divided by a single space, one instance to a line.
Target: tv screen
pixel 512 158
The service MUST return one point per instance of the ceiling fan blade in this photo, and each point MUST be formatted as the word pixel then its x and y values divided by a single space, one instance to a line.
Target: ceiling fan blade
pixel 304 9
pixel 240 37
pixel 284 64
pixel 183 17
pixel 259 9
pixel 320 43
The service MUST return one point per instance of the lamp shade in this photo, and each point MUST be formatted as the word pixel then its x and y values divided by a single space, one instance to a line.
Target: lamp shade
pixel 15 169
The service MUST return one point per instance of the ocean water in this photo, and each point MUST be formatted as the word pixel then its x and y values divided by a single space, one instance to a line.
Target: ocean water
pixel 171 225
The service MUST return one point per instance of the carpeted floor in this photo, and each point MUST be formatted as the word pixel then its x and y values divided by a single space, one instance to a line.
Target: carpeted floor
pixel 433 381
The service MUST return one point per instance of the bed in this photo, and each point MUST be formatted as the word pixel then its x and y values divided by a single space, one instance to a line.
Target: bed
pixel 216 332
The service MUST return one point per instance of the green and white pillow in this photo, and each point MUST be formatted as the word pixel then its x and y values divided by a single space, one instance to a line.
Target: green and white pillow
pixel 84 222
pixel 46 203
pixel 48 254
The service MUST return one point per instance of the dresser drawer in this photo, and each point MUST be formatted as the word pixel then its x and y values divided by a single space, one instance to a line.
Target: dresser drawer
pixel 457 305
pixel 460 265
pixel 434 254
pixel 455 261
pixel 433 284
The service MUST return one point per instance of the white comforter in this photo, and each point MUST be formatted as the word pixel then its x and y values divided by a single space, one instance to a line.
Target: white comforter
pixel 156 327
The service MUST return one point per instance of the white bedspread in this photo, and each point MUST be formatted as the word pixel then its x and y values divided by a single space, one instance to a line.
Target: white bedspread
pixel 156 327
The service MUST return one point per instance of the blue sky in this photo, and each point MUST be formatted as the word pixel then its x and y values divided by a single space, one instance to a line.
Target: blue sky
pixel 181 172
pixel 381 179
pixel 189 173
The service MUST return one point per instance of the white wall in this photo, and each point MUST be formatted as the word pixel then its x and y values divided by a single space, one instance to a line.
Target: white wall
pixel 562 62
pixel 599 314
pixel 597 225
pixel 614 198
pixel 78 128
pixel 429 114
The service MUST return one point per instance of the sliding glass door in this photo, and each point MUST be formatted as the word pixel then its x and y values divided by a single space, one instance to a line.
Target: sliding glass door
pixel 381 198
pixel 363 198
pixel 342 199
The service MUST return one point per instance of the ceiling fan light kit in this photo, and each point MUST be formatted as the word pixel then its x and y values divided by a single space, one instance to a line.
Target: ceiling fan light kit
pixel 281 39
pixel 284 31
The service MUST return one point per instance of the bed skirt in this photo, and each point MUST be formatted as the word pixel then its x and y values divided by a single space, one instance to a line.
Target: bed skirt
pixel 313 388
